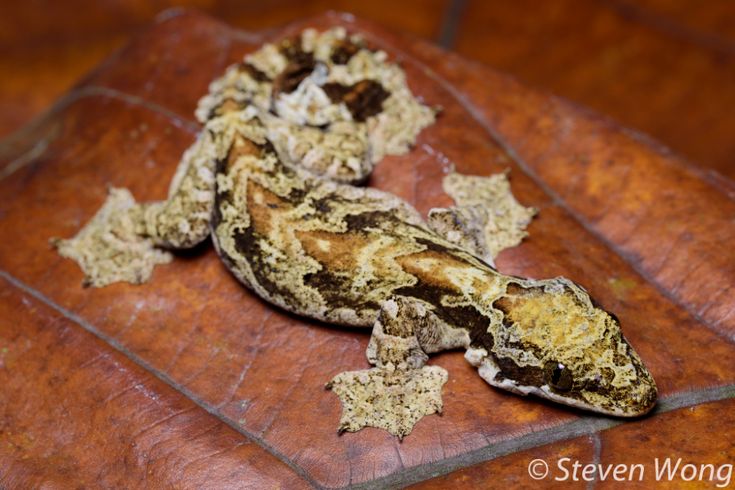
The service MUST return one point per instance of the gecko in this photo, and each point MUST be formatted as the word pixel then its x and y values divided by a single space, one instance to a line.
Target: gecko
pixel 275 178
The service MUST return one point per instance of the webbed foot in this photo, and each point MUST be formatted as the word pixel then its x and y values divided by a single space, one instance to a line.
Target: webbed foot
pixel 110 248
pixel 400 389
pixel 389 398
pixel 486 218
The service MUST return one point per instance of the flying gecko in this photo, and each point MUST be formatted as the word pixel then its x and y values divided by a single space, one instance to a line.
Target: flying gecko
pixel 274 178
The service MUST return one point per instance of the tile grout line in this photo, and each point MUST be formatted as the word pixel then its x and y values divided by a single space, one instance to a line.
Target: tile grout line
pixel 165 378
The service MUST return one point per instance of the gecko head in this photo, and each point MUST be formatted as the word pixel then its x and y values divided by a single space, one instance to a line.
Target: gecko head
pixel 554 342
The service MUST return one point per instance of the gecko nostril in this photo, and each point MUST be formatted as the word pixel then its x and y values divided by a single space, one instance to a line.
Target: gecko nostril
pixel 593 384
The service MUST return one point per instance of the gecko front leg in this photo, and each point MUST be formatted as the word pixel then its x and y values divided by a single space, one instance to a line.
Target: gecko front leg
pixel 486 218
pixel 401 388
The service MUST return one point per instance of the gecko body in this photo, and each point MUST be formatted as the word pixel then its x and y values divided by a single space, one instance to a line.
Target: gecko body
pixel 271 177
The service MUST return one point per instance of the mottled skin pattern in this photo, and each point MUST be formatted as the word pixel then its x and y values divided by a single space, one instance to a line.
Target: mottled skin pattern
pixel 301 237
pixel 336 252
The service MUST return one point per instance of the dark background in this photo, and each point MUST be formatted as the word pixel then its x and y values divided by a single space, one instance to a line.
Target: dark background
pixel 663 67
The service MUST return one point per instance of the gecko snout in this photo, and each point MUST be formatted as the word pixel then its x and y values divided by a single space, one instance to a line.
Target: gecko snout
pixel 554 341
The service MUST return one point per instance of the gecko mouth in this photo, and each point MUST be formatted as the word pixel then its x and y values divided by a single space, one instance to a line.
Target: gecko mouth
pixel 627 403
pixel 634 399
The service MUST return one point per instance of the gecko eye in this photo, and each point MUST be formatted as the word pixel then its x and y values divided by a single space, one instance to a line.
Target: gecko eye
pixel 559 377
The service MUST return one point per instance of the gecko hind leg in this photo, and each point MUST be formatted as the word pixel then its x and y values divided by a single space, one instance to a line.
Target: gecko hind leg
pixel 125 240
pixel 401 389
